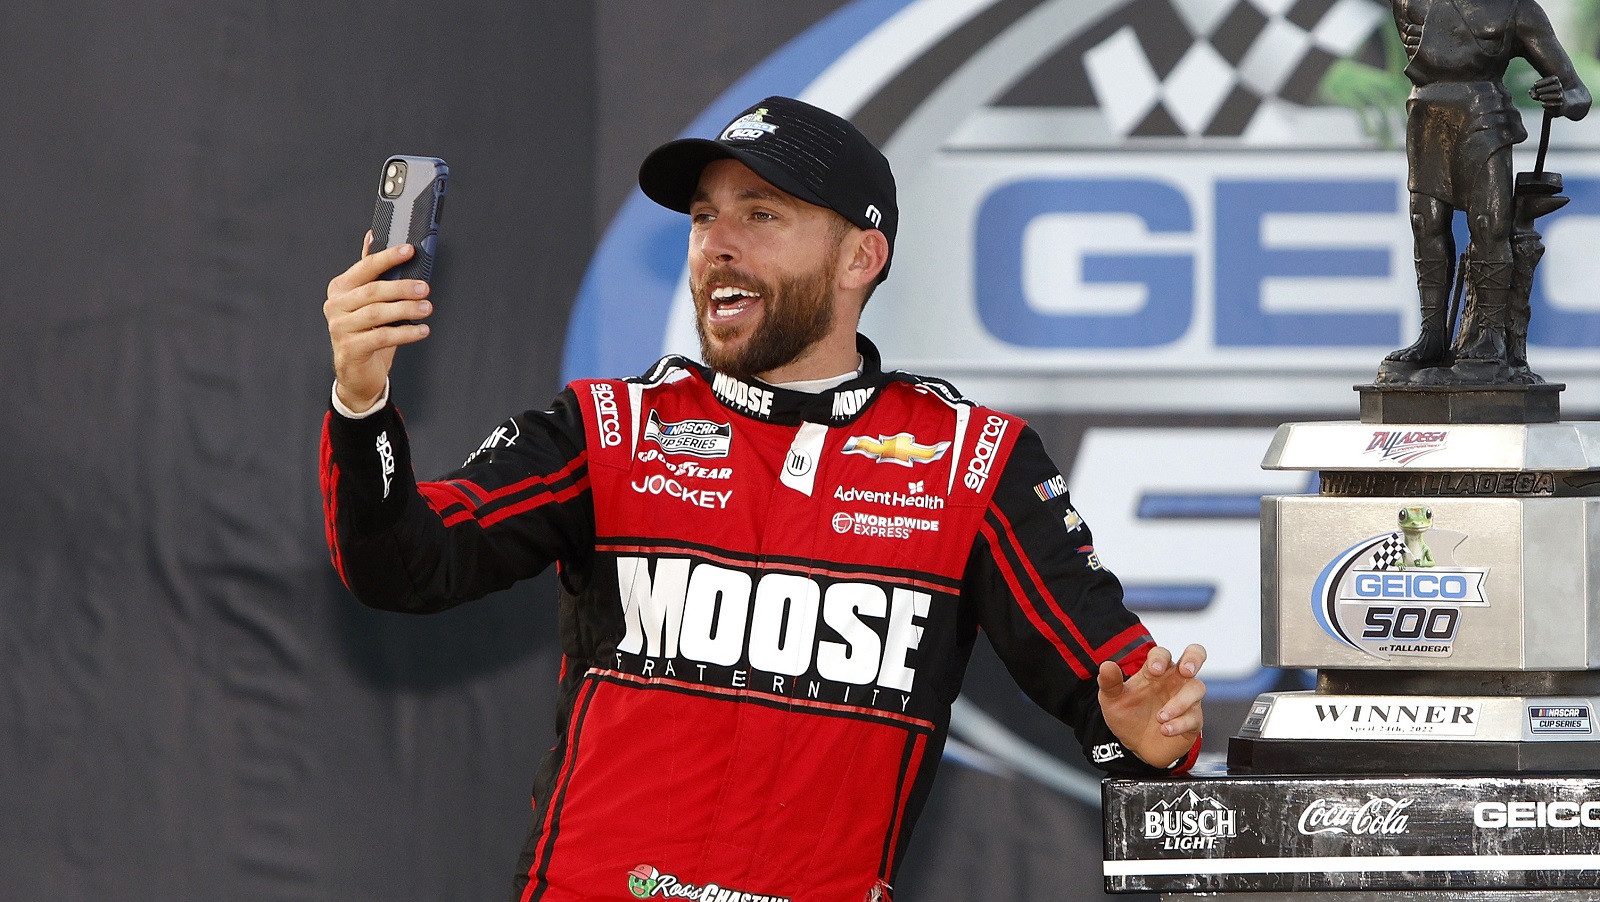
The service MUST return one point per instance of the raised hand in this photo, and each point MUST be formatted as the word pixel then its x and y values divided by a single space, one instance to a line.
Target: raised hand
pixel 1156 712
pixel 363 312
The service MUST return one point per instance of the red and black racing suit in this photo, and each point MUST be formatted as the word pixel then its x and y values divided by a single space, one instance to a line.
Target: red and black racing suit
pixel 767 602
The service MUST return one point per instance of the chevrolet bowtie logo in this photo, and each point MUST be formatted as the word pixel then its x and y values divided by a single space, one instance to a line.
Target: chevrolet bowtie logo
pixel 899 449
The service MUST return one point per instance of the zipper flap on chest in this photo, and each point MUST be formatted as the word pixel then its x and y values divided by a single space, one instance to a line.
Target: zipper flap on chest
pixel 805 455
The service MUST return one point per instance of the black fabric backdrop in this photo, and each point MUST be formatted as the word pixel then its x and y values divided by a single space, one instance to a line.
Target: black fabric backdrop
pixel 192 707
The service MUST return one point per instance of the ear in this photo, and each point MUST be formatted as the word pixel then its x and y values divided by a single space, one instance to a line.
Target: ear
pixel 863 255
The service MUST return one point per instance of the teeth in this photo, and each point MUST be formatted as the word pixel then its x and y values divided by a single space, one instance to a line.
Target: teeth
pixel 728 293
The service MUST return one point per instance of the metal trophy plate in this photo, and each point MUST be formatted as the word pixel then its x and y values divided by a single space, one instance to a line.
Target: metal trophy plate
pixel 1442 584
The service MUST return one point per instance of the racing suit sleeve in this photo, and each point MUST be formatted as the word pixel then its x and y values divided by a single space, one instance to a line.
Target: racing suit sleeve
pixel 1052 612
pixel 520 502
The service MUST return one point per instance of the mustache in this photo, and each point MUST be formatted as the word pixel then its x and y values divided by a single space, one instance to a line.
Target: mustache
pixel 729 275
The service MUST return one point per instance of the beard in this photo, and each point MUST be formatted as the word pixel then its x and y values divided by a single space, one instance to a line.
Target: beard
pixel 796 313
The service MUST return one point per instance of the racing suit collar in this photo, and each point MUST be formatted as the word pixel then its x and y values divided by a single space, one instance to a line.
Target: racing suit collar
pixel 840 404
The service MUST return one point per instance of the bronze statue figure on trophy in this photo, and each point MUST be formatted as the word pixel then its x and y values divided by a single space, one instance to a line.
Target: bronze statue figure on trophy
pixel 1460 128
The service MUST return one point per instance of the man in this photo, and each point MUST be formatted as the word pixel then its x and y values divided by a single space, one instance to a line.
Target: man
pixel 772 568
pixel 1460 127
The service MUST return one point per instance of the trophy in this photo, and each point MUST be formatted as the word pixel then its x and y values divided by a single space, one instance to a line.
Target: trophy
pixel 1443 582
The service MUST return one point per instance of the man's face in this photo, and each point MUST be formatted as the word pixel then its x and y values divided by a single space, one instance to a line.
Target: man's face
pixel 762 266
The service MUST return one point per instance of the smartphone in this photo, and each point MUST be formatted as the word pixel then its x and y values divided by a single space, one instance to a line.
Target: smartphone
pixel 410 202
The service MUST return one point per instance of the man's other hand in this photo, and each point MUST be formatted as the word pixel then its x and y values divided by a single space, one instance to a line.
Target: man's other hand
pixel 1156 712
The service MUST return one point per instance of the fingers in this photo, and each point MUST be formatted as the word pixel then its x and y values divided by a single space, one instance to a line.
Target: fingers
pixel 1157 663
pixel 369 267
pixel 1183 712
pixel 1194 657
pixel 1110 678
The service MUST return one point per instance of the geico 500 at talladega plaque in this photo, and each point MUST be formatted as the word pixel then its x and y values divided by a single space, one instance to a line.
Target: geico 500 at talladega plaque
pixel 1332 833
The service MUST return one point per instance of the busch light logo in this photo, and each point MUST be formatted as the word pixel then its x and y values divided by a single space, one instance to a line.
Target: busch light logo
pixel 1191 821
pixel 1399 594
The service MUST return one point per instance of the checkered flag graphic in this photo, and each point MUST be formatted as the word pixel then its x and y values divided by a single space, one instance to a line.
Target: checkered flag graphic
pixel 1243 58
pixel 1389 552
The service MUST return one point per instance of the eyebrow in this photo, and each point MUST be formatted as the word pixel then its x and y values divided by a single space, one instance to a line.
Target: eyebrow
pixel 771 195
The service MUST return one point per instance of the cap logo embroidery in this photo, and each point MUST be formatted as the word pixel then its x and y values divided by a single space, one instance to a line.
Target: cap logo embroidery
pixel 748 127
pixel 874 214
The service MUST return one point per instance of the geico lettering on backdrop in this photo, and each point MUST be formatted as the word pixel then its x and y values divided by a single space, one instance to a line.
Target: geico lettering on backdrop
pixel 607 420
pixel 1526 814
pixel 782 633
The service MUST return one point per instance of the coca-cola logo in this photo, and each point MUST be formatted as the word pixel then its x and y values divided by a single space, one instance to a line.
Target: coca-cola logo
pixel 1376 817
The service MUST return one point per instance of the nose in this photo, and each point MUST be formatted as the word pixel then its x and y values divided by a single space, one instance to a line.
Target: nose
pixel 718 242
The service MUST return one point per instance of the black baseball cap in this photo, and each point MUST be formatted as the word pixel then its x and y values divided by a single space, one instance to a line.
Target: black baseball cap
pixel 801 149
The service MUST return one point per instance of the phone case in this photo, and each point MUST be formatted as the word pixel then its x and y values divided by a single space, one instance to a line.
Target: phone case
pixel 410 213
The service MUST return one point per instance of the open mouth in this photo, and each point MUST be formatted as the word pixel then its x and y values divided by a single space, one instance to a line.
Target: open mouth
pixel 727 302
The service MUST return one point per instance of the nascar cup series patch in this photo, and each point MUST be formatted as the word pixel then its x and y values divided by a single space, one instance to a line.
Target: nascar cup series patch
pixel 1400 593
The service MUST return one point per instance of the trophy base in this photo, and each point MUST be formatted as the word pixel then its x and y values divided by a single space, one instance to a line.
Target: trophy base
pixel 1343 838
pixel 1455 404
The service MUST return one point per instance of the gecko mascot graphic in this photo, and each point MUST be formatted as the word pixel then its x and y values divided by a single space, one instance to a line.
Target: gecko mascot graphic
pixel 1414 521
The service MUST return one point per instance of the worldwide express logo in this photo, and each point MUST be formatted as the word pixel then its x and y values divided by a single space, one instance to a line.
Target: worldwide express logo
pixel 1400 593
pixel 645 881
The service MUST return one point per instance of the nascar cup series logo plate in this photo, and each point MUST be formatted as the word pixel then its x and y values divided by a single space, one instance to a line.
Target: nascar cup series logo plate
pixel 1399 594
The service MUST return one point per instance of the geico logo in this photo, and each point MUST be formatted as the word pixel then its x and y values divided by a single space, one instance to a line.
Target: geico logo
pixel 716 615
pixel 607 420
pixel 665 485
pixel 983 454
pixel 739 394
pixel 1520 815
pixel 1412 585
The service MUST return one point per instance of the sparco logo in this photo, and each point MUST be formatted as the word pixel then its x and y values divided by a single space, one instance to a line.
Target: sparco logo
pixel 606 418
pixel 983 454
pixel 386 460
pixel 1521 815
pixel 1190 821
pixel 1106 752
pixel 1375 817
pixel 645 881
